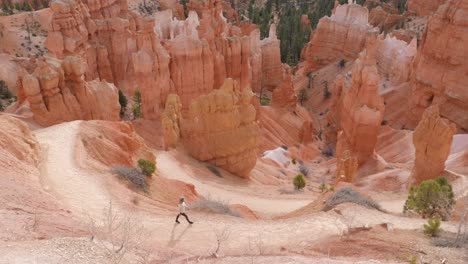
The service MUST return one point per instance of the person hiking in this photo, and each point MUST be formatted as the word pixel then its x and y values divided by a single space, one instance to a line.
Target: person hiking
pixel 182 206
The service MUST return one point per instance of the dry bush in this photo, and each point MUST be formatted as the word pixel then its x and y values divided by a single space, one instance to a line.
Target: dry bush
pixel 215 206
pixel 222 235
pixel 116 234
pixel 348 195
pixel 132 175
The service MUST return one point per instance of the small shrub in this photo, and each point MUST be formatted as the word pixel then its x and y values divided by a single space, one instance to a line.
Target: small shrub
pixel 322 187
pixel 299 182
pixel 326 93
pixel 215 206
pixel 265 101
pixel 413 260
pixel 342 63
pixel 348 195
pixel 294 161
pixel 132 175
pixel 431 198
pixel 432 228
pixel 5 93
pixel 331 189
pixel 137 104
pixel 147 167
pixel 214 170
pixel 303 97
pixel 123 103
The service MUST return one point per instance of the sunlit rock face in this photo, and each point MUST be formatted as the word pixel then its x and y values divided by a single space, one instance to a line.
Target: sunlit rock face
pixel 340 36
pixel 432 139
pixel 57 92
pixel 440 73
pixel 221 128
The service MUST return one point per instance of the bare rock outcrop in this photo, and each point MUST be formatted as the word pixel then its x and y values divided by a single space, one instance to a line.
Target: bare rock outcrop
pixel 440 74
pixel 346 167
pixel 432 139
pixel 17 143
pixel 284 95
pixel 221 128
pixel 117 45
pixel 361 108
pixel 342 35
pixel 57 92
pixel 271 60
pixel 395 58
pixel 112 143
pixel 424 7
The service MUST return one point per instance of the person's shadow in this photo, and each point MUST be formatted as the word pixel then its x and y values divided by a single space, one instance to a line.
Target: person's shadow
pixel 175 240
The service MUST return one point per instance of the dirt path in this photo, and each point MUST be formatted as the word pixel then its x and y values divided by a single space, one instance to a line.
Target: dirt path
pixel 169 167
pixel 83 193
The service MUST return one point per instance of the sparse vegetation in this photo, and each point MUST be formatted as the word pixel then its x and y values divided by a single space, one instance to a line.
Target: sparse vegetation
pixel 323 187
pixel 342 63
pixel 265 100
pixel 432 228
pixel 6 96
pixel 303 96
pixel 215 206
pixel 137 104
pixel 349 195
pixel 214 170
pixel 116 234
pixel 299 182
pixel 132 175
pixel 147 167
pixel 294 161
pixel 431 198
pixel 123 103
pixel 326 93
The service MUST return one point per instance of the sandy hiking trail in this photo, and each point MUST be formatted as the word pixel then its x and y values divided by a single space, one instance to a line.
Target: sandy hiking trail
pixel 86 195
pixel 171 168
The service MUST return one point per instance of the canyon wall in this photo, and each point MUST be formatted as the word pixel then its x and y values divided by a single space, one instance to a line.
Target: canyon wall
pixel 440 73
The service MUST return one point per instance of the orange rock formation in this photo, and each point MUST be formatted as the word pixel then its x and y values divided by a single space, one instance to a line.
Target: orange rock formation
pixel 221 129
pixel 57 92
pixel 113 143
pixel 362 108
pixel 424 7
pixel 342 35
pixel 432 139
pixel 440 74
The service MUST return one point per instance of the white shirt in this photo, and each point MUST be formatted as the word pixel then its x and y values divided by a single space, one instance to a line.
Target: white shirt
pixel 182 207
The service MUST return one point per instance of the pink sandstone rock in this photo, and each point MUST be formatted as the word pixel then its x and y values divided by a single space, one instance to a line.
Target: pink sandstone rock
pixel 424 7
pixel 221 128
pixel 170 121
pixel 439 76
pixel 342 35
pixel 271 60
pixel 395 58
pixel 57 92
pixel 362 108
pixel 284 95
pixel 432 139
